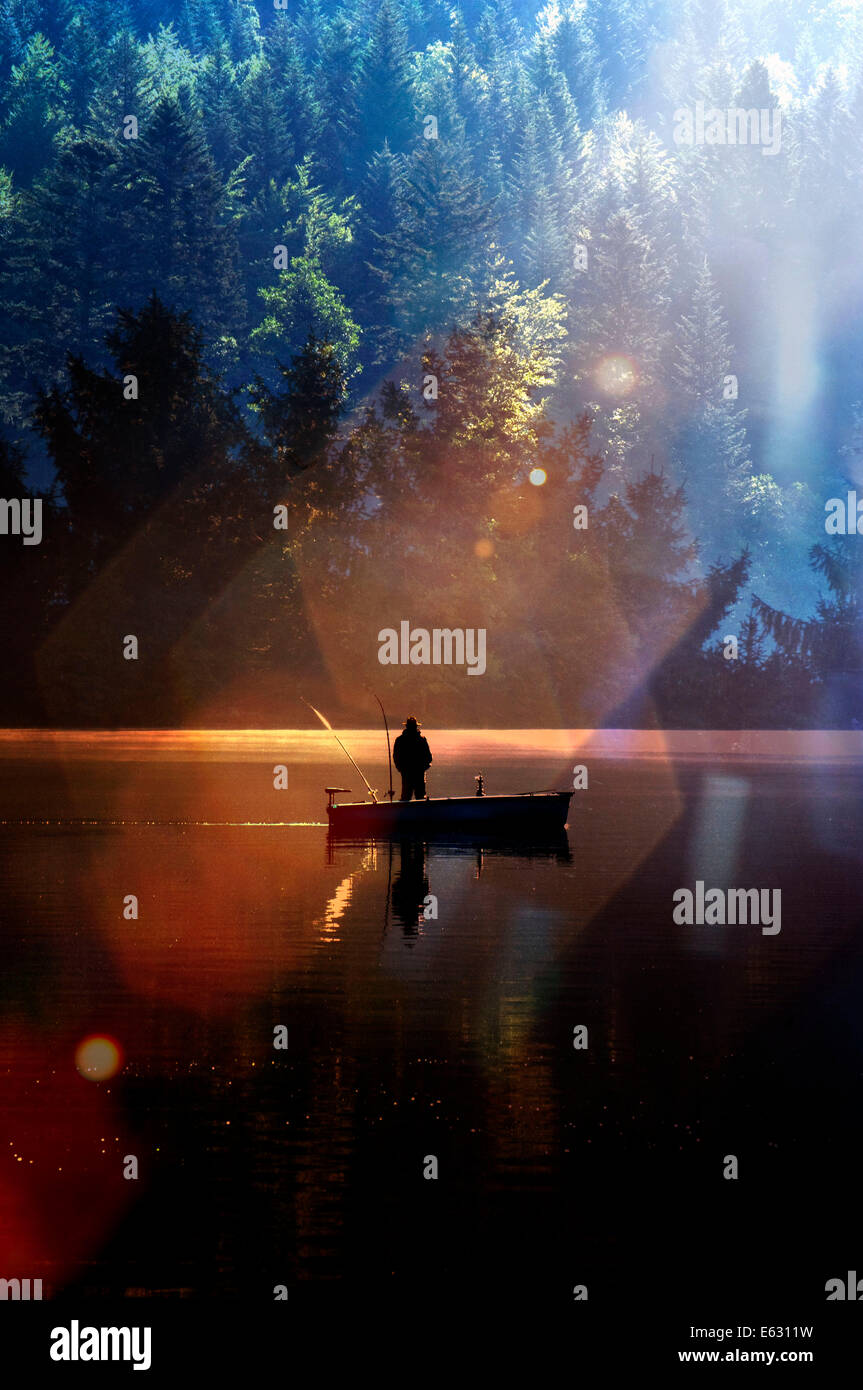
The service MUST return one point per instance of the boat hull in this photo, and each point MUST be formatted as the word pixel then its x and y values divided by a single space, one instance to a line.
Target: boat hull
pixel 532 813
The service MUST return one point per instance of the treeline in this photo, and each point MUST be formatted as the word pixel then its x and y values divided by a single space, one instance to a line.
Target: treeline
pixel 387 177
pixel 422 510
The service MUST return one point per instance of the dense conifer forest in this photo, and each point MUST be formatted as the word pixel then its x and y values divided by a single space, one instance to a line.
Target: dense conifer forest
pixel 320 318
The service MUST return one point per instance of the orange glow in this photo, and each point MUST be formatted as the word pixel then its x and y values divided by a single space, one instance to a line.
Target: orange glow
pixel 483 550
pixel 98 1058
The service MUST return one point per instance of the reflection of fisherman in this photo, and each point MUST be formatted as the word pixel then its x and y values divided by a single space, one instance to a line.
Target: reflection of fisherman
pixel 410 886
pixel 412 755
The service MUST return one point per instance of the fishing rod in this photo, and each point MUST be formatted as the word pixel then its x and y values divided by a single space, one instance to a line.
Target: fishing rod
pixel 327 725
pixel 390 793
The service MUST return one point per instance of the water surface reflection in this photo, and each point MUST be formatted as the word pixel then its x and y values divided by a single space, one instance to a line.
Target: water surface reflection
pixel 415 1031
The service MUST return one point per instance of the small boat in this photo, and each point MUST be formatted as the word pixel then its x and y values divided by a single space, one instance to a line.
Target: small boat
pixel 530 816
pixel 531 813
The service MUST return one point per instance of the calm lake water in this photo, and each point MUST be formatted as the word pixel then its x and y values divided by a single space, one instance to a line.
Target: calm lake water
pixel 409 1038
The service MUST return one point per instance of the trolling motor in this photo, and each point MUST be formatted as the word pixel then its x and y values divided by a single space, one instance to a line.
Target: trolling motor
pixel 331 792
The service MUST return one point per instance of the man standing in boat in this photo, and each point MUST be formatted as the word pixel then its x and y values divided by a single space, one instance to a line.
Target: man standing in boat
pixel 412 757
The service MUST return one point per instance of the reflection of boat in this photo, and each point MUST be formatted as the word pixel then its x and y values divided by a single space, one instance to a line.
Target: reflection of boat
pixel 533 814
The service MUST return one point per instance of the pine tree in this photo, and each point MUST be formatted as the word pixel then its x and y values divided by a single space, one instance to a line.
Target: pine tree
pixel 623 35
pixel 829 642
pixel 184 245
pixel 154 533
pixel 710 446
pixel 703 350
pixel 124 88
pixel 444 237
pixel 541 199
pixel 243 31
pixel 334 79
pixel 550 83
pixel 463 66
pixel 502 111
pixel 647 522
pixel 498 33
pixel 626 302
pixel 11 46
pixel 384 96
pixel 300 217
pixel 752 188
pixel 302 115
pixel 311 25
pixel 381 232
pixel 206 29
pixel 170 67
pixel 172 435
pixel 268 145
pixel 106 17
pixel 81 66
pixel 300 418
pixel 26 14
pixel 579 61
pixel 61 286
pixel 828 145
pixel 218 95
pixel 34 112
pixel 645 179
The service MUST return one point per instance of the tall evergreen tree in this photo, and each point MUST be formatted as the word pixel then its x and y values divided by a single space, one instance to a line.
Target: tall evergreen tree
pixel 301 414
pixel 218 94
pixel 541 200
pixel 826 647
pixel 243 30
pixel 35 112
pixel 61 288
pixel 11 45
pixel 578 59
pixel 444 239
pixel 124 88
pixel 267 141
pixel 81 65
pixel 181 431
pixel 384 89
pixel 334 78
pixel 381 233
pixel 184 244
pixel 627 300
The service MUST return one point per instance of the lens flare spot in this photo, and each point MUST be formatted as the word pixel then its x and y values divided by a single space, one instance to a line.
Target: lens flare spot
pixel 537 476
pixel 617 376
pixel 483 550
pixel 98 1058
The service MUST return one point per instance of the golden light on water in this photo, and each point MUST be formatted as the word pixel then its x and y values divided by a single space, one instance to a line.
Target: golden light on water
pixel 537 476
pixel 616 375
pixel 98 1057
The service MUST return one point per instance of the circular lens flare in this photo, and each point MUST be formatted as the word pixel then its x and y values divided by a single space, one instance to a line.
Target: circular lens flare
pixel 98 1058
pixel 483 549
pixel 537 476
pixel 616 375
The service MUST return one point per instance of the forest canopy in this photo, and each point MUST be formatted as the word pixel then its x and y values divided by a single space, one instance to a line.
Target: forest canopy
pixel 541 319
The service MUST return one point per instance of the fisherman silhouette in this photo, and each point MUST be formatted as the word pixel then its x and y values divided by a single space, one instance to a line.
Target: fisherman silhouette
pixel 410 886
pixel 412 756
